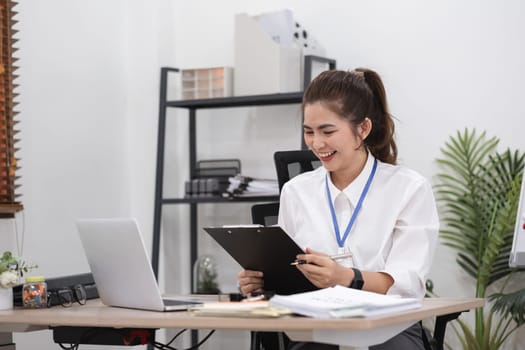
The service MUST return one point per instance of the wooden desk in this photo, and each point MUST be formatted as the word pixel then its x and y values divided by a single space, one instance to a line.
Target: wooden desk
pixel 353 332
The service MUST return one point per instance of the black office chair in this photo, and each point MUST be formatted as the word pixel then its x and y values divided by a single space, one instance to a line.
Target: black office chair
pixel 265 214
pixel 291 163
pixel 287 165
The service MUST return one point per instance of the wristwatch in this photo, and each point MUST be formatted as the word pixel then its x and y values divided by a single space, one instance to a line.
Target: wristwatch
pixel 357 282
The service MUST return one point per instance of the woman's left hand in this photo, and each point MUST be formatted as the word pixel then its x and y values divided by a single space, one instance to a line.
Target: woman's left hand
pixel 322 271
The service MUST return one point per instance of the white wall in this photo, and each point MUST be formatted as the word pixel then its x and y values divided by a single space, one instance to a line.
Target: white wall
pixel 86 89
pixel 89 102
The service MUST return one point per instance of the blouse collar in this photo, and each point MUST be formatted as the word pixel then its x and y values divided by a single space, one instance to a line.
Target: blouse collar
pixel 354 189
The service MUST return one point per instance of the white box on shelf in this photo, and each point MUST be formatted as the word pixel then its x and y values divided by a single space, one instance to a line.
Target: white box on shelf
pixel 206 82
pixel 263 66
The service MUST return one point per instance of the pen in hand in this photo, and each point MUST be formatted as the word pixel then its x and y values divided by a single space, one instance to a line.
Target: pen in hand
pixel 333 257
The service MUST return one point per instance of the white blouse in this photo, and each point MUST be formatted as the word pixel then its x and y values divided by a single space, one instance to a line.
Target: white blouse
pixel 395 231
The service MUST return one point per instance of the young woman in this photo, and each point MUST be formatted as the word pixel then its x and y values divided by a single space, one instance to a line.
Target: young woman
pixel 359 202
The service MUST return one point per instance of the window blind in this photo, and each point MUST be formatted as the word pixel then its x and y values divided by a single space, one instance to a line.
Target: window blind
pixel 9 164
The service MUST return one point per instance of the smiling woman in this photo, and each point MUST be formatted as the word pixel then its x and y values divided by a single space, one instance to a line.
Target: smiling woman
pixel 381 216
pixel 8 161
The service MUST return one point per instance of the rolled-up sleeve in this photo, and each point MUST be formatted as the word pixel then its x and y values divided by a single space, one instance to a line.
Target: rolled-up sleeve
pixel 414 241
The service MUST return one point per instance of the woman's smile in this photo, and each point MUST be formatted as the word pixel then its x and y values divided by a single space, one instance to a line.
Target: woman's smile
pixel 326 156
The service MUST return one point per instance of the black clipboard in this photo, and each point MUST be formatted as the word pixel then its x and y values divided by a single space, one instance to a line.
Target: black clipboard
pixel 266 249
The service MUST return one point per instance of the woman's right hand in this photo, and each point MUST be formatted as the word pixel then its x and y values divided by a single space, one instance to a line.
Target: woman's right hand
pixel 250 282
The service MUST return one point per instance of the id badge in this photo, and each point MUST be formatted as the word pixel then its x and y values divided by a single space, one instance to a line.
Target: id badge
pixel 346 262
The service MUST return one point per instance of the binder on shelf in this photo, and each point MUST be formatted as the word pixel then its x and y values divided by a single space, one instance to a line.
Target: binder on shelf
pixel 270 54
pixel 211 177
pixel 263 66
pixel 217 168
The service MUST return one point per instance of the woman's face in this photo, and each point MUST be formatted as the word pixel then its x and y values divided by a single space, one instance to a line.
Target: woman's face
pixel 332 139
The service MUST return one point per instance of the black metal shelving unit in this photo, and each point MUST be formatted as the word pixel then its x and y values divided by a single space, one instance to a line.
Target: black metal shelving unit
pixel 193 106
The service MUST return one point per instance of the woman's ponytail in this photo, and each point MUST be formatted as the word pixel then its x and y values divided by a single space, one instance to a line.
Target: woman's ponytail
pixel 381 140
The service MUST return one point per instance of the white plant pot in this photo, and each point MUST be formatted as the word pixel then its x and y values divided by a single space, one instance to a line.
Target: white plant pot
pixel 6 298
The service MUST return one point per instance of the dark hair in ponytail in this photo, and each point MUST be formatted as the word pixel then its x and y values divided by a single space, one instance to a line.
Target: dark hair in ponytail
pixel 356 95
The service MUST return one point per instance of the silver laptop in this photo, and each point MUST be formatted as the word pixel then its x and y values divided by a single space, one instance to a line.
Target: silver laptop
pixel 120 266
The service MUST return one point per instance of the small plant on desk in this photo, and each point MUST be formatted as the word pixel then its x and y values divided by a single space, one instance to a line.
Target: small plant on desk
pixel 205 276
pixel 11 269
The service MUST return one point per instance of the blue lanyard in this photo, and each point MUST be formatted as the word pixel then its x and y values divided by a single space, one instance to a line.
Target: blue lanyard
pixel 341 241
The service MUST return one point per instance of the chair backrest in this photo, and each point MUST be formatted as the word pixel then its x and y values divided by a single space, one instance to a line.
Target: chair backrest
pixel 265 214
pixel 291 163
pixel 287 164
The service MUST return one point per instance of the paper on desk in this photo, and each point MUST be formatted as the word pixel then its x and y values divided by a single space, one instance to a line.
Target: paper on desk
pixel 239 309
pixel 340 302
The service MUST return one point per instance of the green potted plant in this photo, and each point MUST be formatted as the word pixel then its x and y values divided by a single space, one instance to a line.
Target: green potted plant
pixel 205 276
pixel 478 192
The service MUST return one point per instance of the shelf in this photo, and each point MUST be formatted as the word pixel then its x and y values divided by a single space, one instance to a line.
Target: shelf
pixel 239 101
pixel 220 199
pixel 192 106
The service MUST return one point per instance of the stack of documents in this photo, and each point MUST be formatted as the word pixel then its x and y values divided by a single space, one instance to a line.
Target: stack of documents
pixel 239 309
pixel 341 302
pixel 245 186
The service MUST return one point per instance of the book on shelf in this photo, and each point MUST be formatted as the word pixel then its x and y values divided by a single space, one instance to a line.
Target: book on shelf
pixel 343 302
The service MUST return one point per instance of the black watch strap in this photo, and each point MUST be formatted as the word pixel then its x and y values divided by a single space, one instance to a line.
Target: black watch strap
pixel 357 282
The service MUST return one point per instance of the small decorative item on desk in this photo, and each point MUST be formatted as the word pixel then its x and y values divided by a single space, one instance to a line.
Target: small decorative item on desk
pixel 34 292
pixel 205 276
pixel 11 269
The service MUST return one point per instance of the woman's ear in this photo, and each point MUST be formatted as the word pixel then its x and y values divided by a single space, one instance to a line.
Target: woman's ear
pixel 365 128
